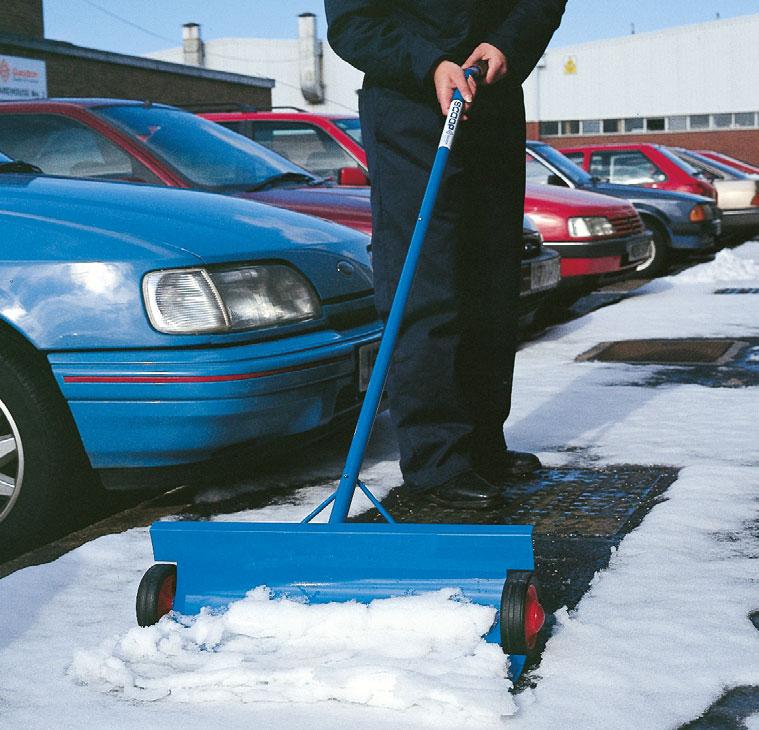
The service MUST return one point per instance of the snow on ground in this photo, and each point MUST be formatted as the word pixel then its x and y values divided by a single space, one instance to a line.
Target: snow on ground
pixel 660 635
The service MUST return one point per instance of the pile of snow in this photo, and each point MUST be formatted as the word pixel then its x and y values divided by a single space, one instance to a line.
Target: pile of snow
pixel 423 653
pixel 727 266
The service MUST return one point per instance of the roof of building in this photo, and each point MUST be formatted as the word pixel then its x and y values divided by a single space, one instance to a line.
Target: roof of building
pixel 69 49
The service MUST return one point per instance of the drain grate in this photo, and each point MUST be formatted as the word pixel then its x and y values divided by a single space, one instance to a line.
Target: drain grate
pixel 558 502
pixel 665 352
pixel 738 290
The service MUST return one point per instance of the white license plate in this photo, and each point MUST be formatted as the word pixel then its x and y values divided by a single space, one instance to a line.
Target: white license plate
pixel 367 355
pixel 544 274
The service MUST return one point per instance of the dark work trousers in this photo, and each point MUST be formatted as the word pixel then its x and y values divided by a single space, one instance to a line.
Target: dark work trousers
pixel 450 381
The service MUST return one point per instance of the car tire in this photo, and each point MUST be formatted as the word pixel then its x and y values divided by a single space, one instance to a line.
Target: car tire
pixel 40 452
pixel 658 261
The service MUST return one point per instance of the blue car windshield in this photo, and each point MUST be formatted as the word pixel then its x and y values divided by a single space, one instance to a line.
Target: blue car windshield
pixel 351 126
pixel 204 152
pixel 563 164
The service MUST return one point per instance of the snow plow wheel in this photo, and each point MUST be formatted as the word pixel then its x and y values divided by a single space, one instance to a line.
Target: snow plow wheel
pixel 155 596
pixel 522 616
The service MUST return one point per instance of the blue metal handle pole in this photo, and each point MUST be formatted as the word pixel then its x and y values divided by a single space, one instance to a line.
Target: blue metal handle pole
pixel 349 477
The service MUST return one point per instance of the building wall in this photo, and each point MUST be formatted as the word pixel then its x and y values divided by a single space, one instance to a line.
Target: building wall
pixel 22 18
pixel 705 68
pixel 72 75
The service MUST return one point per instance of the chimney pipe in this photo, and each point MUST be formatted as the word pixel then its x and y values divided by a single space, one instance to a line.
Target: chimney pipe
pixel 193 47
pixel 310 59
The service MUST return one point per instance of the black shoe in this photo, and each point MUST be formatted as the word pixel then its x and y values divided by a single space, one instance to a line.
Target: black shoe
pixel 465 490
pixel 502 466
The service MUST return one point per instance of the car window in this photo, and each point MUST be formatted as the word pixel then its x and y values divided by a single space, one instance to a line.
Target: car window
pixel 576 157
pixel 351 126
pixel 537 172
pixel 627 167
pixel 206 153
pixel 59 145
pixel 305 145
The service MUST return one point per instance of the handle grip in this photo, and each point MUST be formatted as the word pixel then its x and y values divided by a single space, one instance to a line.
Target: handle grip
pixel 478 71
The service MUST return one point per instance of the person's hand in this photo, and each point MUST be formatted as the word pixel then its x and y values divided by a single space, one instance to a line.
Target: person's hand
pixel 497 65
pixel 448 77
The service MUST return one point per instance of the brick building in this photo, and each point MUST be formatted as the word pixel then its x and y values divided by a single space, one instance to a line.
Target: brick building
pixel 32 66
pixel 692 86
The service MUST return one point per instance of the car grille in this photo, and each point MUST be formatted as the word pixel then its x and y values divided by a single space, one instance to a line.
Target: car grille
pixel 351 313
pixel 626 225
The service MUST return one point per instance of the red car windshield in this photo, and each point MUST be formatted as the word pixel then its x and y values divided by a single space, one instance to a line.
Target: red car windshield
pixel 207 154
pixel 351 126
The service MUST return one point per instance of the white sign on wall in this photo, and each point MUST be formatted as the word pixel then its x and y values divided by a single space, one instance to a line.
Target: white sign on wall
pixel 22 78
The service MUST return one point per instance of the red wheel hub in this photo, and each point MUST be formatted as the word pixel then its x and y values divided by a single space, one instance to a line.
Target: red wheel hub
pixel 534 616
pixel 166 594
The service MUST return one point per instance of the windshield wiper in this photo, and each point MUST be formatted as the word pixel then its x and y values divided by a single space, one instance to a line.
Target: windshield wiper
pixel 278 179
pixel 18 166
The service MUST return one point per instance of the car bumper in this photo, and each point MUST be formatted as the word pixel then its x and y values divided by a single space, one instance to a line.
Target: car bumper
pixel 697 236
pixel 593 258
pixel 150 409
pixel 740 220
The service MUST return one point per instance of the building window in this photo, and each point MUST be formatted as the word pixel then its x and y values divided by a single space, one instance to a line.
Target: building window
pixel 611 126
pixel 634 125
pixel 722 121
pixel 699 121
pixel 571 126
pixel 549 129
pixel 655 124
pixel 678 124
pixel 745 119
pixel 591 126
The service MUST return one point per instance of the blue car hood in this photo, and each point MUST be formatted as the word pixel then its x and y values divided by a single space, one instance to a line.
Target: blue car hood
pixel 74 253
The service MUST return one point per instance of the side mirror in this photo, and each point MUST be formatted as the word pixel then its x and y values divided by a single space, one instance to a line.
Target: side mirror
pixel 556 180
pixel 354 176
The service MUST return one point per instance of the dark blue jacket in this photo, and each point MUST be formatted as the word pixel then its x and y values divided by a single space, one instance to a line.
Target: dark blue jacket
pixel 399 42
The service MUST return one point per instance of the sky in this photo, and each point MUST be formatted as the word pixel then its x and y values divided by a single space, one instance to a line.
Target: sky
pixel 150 25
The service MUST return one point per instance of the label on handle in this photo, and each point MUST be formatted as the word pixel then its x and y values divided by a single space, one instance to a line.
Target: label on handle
pixel 451 122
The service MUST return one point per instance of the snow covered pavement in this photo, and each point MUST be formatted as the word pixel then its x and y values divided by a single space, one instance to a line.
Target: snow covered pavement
pixel 660 635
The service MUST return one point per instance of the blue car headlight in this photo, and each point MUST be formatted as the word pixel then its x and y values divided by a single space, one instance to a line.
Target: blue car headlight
pixel 198 300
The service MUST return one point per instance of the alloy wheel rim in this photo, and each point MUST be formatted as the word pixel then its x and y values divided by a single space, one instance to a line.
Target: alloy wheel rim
pixel 11 462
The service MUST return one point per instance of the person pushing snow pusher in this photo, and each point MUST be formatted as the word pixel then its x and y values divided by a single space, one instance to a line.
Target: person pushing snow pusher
pixel 449 386
pixel 214 563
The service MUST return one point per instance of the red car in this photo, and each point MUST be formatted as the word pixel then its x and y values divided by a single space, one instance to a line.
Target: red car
pixel 637 163
pixel 326 144
pixel 595 234
pixel 153 143
pixel 613 240
pixel 724 159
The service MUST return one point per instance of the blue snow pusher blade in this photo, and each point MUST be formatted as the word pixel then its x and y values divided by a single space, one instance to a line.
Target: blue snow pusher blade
pixel 220 562
pixel 213 563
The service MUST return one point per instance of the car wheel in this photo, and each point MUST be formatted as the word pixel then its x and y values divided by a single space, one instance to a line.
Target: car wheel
pixel 40 452
pixel 657 262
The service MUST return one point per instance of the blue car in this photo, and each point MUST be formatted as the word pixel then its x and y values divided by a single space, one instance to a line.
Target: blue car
pixel 682 224
pixel 146 330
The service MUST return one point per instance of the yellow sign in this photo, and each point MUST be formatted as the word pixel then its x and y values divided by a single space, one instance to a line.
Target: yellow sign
pixel 570 65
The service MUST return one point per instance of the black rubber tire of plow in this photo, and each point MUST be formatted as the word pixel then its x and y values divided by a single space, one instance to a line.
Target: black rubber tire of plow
pixel 512 616
pixel 148 605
